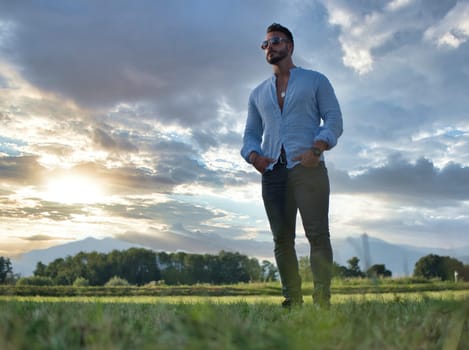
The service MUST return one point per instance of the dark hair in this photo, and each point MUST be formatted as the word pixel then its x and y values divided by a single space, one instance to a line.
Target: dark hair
pixel 275 27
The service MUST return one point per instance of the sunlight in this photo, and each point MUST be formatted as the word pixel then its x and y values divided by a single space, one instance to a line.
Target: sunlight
pixel 74 189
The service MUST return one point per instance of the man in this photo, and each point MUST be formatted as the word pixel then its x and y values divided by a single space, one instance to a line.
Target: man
pixel 293 117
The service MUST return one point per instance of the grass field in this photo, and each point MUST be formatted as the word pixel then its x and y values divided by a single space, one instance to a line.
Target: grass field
pixel 414 320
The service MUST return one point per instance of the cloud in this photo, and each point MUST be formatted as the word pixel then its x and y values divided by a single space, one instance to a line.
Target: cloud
pixel 44 238
pixel 360 32
pixel 99 55
pixel 369 29
pixel 114 141
pixel 453 30
pixel 420 227
pixel 416 184
pixel 395 5
pixel 21 170
pixel 149 101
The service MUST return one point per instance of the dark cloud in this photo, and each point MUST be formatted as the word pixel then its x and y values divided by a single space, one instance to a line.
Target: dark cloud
pixel 437 9
pixel 177 55
pixel 206 139
pixel 113 141
pixel 151 82
pixel 21 170
pixel 44 238
pixel 420 184
pixel 381 120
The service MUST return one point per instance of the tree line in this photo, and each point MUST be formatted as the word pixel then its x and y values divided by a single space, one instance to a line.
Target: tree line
pixel 139 266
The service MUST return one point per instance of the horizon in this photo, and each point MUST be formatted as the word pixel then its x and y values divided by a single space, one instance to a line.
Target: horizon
pixel 399 259
pixel 126 120
pixel 356 237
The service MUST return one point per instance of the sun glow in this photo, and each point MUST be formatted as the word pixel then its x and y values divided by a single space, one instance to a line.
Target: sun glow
pixel 74 189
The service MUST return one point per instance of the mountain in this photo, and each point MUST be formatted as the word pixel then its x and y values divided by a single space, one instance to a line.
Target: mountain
pixel 400 259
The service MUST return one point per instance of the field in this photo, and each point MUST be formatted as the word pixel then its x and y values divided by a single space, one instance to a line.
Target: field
pixel 419 319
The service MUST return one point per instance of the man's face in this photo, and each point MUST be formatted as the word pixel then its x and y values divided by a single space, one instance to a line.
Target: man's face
pixel 276 51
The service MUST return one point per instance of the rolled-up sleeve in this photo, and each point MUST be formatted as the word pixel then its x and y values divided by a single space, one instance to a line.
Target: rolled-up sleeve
pixel 330 112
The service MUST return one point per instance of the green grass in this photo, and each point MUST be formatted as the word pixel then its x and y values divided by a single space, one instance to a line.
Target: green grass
pixel 347 286
pixel 224 299
pixel 430 320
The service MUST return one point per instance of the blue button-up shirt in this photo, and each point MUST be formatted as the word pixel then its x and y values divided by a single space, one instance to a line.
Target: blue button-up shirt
pixel 310 113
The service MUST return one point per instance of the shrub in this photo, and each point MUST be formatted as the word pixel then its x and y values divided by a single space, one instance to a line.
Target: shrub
pixel 35 281
pixel 116 282
pixel 154 284
pixel 81 282
pixel 435 266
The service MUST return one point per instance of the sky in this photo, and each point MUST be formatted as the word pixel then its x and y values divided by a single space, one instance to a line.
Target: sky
pixel 124 119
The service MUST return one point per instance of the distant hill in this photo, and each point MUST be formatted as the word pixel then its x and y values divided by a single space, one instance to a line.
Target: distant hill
pixel 400 259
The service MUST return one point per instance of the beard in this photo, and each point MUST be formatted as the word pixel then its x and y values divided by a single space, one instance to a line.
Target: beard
pixel 277 57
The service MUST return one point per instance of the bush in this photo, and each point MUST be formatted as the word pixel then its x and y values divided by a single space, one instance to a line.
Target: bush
pixel 81 282
pixel 116 282
pixel 153 284
pixel 35 281
pixel 435 266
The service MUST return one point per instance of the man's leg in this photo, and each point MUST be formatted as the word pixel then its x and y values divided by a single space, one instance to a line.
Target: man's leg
pixel 281 212
pixel 311 187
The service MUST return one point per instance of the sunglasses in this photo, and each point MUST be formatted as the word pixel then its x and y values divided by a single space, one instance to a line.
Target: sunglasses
pixel 272 41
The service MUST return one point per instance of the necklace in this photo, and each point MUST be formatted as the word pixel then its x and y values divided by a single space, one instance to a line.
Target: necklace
pixel 282 94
